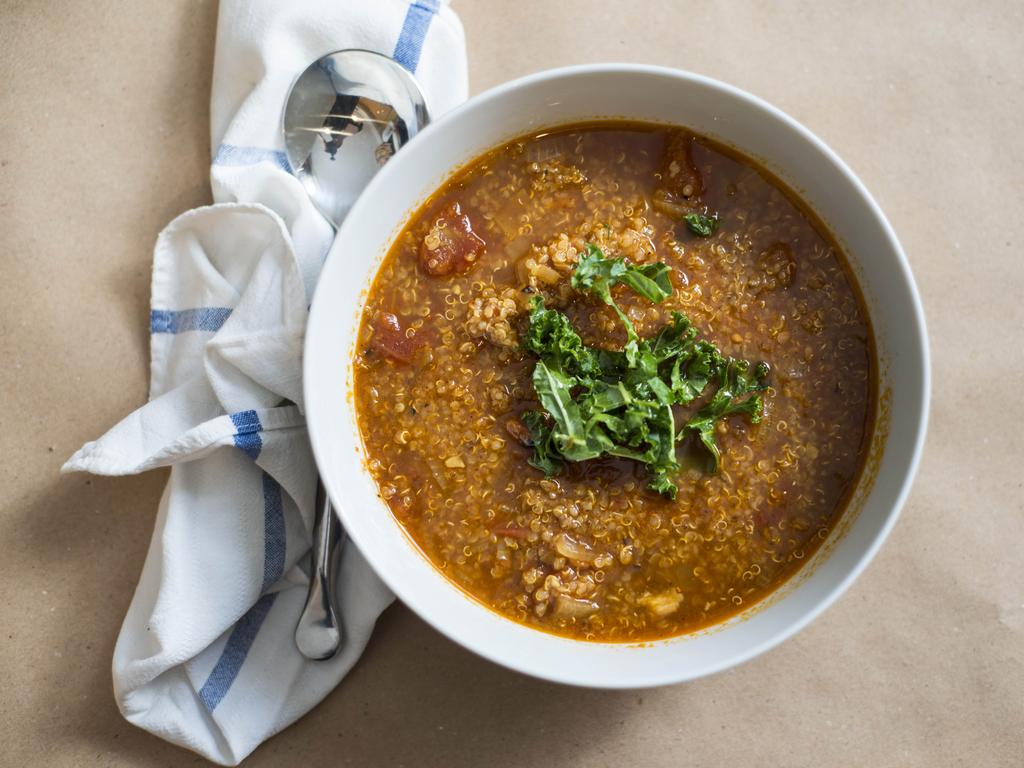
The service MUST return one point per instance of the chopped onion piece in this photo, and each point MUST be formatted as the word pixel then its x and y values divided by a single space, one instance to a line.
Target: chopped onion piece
pixel 574 607
pixel 568 547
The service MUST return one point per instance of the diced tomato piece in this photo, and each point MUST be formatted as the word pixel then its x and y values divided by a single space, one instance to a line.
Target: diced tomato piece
pixel 680 184
pixel 518 430
pixel 391 340
pixel 451 245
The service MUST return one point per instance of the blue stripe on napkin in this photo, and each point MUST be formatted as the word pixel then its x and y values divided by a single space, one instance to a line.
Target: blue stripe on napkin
pixel 247 435
pixel 274 542
pixel 233 154
pixel 414 32
pixel 179 321
pixel 235 650
pixel 248 441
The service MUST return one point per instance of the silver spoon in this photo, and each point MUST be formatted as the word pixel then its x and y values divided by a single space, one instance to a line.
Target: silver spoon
pixel 345 116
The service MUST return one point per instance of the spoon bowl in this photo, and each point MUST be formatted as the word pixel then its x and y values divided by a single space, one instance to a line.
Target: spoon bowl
pixel 345 116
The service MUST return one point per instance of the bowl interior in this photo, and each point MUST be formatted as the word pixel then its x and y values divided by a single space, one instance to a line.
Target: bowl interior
pixel 709 108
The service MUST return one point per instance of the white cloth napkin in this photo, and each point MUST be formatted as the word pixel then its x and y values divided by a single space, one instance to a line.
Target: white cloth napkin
pixel 206 657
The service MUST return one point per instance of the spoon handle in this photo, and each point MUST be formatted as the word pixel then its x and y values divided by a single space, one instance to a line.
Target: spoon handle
pixel 318 634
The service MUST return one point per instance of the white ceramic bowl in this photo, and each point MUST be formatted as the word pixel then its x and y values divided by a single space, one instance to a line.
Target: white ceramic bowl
pixel 729 116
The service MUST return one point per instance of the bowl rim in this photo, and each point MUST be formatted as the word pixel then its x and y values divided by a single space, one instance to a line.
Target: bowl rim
pixel 861 560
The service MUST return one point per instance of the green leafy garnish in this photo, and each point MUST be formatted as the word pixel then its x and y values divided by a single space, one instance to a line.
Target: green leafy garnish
pixel 701 225
pixel 739 388
pixel 597 402
pixel 597 275
pixel 544 455
pixel 551 336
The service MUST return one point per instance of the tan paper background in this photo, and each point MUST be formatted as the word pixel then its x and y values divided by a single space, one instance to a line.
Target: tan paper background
pixel 103 139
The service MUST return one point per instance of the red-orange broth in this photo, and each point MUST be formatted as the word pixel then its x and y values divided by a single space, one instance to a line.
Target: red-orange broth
pixel 441 381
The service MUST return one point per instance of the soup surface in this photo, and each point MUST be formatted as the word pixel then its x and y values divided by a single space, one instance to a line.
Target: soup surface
pixel 470 451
